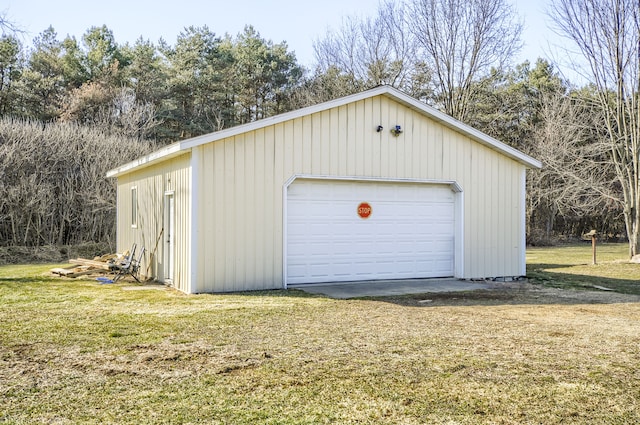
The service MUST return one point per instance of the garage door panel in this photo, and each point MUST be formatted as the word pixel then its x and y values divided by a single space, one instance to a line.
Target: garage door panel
pixel 363 248
pixel 341 249
pixel 406 267
pixel 408 235
pixel 442 246
pixel 342 269
pixel 319 270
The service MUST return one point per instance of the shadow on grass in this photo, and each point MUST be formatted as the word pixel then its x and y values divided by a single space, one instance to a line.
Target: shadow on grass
pixel 541 274
pixel 273 293
pixel 26 280
pixel 507 297
pixel 545 287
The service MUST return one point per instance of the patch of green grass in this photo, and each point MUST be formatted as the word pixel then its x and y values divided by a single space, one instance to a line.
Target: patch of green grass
pixel 571 267
pixel 73 351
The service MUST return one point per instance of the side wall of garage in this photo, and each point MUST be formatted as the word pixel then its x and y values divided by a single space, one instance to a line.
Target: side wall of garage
pixel 143 224
pixel 241 179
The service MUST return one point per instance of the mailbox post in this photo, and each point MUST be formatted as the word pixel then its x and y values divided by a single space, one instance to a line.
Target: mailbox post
pixel 592 235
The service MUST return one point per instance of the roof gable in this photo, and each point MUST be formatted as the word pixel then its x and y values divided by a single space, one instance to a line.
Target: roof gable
pixel 184 146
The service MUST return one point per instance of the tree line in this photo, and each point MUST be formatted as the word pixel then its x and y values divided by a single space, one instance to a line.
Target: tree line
pixel 148 90
pixel 455 55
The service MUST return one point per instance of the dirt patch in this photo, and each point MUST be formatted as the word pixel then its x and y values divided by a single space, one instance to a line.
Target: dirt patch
pixel 515 293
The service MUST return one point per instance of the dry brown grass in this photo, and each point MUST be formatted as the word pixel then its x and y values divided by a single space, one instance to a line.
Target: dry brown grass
pixel 77 352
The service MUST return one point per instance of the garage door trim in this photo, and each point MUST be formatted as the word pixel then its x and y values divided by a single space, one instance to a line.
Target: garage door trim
pixel 458 211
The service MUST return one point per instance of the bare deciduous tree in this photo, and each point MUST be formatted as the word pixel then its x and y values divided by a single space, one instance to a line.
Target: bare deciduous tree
pixel 371 51
pixel 461 40
pixel 607 35
pixel 8 26
pixel 577 183
pixel 54 189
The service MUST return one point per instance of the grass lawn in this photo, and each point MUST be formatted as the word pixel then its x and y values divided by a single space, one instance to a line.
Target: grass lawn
pixel 74 351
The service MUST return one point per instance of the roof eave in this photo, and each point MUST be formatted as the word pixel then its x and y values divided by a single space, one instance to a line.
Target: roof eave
pixel 162 154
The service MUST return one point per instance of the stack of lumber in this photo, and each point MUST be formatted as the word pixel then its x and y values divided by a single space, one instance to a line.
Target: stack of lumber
pixel 83 266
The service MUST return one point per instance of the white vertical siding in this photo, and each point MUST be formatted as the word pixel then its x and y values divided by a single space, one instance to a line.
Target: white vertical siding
pixel 173 175
pixel 240 225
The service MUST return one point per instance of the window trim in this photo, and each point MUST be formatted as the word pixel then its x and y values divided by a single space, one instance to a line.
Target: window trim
pixel 134 207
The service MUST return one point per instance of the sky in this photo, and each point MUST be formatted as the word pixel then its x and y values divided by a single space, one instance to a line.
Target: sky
pixel 294 21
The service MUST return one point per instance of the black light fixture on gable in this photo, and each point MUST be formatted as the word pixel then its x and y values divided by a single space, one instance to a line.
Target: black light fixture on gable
pixel 396 131
pixel 379 128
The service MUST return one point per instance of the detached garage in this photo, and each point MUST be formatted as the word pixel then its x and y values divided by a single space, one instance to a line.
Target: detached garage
pixel 372 186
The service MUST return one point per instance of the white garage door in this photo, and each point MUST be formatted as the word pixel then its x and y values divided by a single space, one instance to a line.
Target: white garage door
pixel 408 234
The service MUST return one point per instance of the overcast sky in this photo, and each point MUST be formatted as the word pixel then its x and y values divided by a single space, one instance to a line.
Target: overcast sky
pixel 296 22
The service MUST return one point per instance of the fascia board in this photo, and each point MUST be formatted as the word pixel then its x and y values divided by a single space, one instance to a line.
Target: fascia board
pixel 162 154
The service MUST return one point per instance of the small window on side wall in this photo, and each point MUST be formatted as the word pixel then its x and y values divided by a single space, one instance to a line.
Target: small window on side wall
pixel 134 207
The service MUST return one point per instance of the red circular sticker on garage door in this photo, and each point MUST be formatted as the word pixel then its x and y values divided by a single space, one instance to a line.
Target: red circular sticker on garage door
pixel 364 209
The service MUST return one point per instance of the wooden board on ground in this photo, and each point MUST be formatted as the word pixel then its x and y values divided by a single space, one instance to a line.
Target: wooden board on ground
pixel 82 267
pixel 99 265
pixel 106 257
pixel 76 271
pixel 93 263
